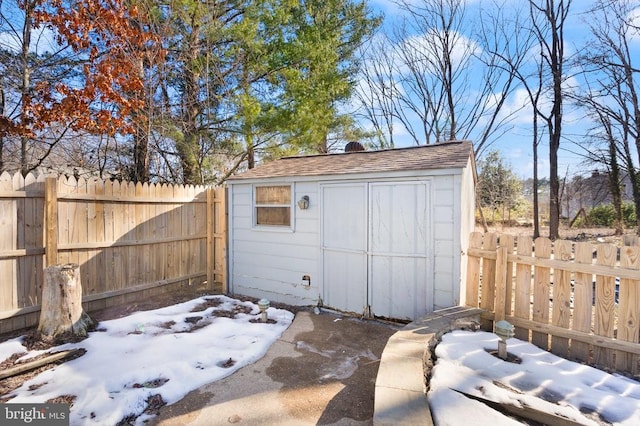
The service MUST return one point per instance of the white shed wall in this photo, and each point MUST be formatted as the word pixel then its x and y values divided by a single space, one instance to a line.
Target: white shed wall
pixel 446 246
pixel 468 224
pixel 271 262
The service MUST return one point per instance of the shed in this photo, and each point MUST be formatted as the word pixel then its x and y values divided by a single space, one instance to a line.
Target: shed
pixel 379 233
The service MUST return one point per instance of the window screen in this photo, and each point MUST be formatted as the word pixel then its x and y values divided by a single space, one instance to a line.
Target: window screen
pixel 273 205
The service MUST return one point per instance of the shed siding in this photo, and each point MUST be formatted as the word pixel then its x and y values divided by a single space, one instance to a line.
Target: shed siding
pixel 271 262
pixel 445 244
pixel 468 210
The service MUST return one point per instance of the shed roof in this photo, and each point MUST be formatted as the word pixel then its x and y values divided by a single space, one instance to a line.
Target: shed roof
pixel 442 155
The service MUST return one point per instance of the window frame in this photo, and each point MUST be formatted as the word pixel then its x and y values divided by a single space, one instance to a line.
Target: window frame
pixel 255 206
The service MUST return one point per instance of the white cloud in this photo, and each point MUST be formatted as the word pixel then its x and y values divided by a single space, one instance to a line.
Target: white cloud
pixel 428 47
pixel 43 38
pixel 634 24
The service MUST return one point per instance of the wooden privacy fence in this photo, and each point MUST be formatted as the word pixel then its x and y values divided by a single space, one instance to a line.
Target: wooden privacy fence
pixel 132 241
pixel 579 300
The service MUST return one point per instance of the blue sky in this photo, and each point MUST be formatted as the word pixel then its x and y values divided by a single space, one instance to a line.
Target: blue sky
pixel 515 145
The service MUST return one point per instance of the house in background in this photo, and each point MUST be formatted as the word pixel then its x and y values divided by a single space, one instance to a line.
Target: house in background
pixel 380 233
pixel 587 192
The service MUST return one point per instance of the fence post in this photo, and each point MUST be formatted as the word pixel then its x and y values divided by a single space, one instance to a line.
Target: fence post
pixel 210 238
pixel 51 221
pixel 216 237
pixel 222 220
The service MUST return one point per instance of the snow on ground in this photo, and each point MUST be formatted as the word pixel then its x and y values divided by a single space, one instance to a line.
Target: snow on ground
pixel 168 351
pixel 542 381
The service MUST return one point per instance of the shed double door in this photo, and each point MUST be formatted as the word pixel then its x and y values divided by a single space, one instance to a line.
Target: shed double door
pixel 376 248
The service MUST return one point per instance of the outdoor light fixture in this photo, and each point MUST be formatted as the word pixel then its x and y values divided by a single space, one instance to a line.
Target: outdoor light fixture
pixel 504 330
pixel 303 202
pixel 263 304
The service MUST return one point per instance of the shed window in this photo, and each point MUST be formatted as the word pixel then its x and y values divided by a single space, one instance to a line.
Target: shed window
pixel 273 205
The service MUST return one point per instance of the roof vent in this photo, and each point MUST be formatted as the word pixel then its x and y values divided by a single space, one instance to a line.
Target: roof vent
pixel 353 147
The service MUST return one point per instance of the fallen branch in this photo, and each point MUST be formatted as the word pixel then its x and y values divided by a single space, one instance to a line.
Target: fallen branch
pixel 27 366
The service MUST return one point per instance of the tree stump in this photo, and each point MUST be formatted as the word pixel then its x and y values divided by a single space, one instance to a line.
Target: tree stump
pixel 61 315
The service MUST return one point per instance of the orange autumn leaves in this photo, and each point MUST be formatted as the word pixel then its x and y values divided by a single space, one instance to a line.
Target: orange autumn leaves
pixel 107 45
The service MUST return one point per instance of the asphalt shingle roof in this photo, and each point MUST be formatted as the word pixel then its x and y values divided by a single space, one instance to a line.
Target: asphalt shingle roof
pixel 443 155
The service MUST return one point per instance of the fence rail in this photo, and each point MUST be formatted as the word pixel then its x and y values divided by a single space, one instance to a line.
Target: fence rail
pixel 131 240
pixel 579 300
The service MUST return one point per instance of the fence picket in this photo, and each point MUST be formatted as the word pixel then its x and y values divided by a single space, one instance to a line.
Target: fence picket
pixel 8 227
pixel 541 283
pixel 561 304
pixel 30 266
pixel 582 302
pixel 522 302
pixel 604 322
pixel 473 271
pixel 629 320
pixel 508 242
pixel 63 222
pixel 487 299
pixel 92 235
pixel 120 254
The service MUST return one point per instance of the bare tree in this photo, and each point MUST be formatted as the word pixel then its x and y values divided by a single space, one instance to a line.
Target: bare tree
pixel 549 32
pixel 377 93
pixel 506 42
pixel 612 98
pixel 437 80
pixel 606 133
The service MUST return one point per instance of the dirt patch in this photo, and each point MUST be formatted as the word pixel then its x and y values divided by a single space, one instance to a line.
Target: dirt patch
pixel 154 403
pixel 62 399
pixel 156 302
pixel 8 384
pixel 192 320
pixel 227 364
pixel 152 384
pixel 232 314
pixel 595 235
pixel 11 361
pixel 259 320
pixel 209 303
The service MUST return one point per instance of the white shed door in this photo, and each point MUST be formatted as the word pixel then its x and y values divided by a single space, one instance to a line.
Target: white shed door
pixel 344 246
pixel 398 250
pixel 375 240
